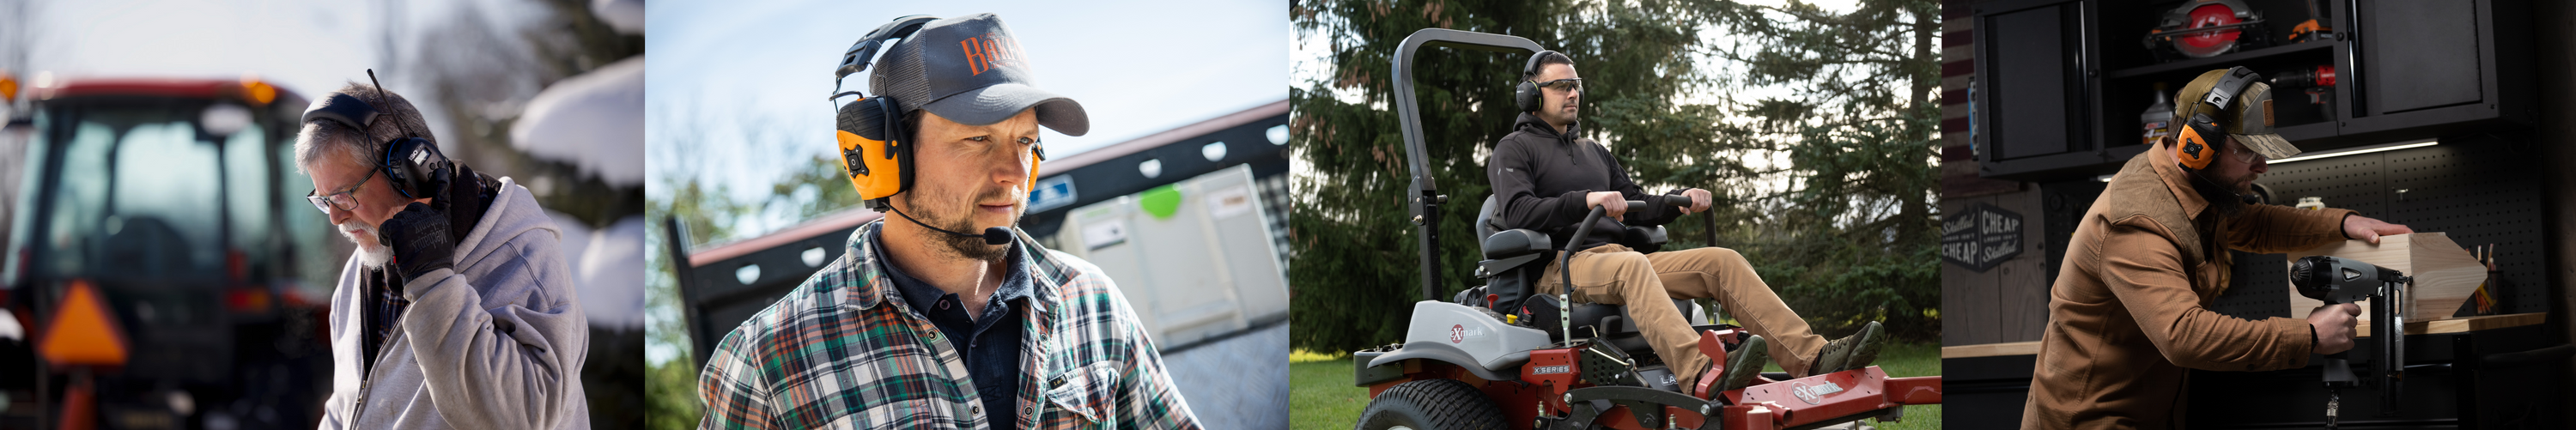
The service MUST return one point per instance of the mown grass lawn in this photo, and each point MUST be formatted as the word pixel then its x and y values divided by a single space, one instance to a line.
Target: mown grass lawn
pixel 1320 395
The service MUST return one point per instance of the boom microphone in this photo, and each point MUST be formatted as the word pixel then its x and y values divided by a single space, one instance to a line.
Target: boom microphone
pixel 992 235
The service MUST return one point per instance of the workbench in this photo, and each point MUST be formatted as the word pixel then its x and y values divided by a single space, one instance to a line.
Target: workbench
pixel 2495 371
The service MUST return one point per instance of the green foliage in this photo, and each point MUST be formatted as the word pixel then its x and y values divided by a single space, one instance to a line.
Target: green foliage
pixel 671 393
pixel 670 387
pixel 829 186
pixel 1827 188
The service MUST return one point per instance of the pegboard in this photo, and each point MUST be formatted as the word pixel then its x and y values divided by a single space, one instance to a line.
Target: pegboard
pixel 2259 289
pixel 2477 190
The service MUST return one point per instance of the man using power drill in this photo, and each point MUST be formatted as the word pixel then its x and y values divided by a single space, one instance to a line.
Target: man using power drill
pixel 457 310
pixel 920 324
pixel 2127 314
pixel 1546 179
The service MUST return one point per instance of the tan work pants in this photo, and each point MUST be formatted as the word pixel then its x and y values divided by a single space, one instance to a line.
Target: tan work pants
pixel 1614 274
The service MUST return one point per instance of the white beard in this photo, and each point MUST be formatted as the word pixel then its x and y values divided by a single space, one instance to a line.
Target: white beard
pixel 370 253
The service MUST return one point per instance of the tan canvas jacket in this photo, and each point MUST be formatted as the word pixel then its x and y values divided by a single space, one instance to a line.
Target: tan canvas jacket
pixel 2128 312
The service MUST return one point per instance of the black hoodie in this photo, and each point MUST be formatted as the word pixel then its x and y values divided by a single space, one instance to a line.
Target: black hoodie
pixel 1540 178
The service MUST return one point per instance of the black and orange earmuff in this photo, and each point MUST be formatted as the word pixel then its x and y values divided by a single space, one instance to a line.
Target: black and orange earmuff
pixel 876 124
pixel 2196 146
pixel 2193 147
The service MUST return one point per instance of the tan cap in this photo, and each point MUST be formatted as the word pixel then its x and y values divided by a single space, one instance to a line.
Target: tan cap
pixel 2245 114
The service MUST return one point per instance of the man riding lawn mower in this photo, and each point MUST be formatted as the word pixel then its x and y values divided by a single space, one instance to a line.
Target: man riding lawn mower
pixel 1519 352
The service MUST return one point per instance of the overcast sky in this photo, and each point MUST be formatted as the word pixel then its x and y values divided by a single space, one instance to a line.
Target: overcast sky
pixel 749 79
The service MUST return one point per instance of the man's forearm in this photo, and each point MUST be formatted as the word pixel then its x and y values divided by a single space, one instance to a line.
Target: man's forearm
pixel 2270 229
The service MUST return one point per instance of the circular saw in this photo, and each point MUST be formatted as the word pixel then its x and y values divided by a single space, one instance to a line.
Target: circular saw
pixel 2207 28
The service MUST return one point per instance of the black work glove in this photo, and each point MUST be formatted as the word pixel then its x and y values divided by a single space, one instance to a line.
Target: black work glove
pixel 420 241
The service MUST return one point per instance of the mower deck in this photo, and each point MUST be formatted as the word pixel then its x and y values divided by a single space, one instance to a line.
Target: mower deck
pixel 1550 392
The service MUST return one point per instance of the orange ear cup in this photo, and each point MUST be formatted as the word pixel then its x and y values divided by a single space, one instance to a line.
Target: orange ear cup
pixel 1034 159
pixel 885 174
pixel 2192 149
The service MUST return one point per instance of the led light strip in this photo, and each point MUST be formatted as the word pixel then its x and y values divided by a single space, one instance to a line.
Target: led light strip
pixel 2349 151
pixel 2362 150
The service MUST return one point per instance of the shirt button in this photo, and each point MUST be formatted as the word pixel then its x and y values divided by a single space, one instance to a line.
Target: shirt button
pixel 943 305
pixel 977 410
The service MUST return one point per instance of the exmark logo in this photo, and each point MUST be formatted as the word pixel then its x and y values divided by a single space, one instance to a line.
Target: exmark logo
pixel 1812 394
pixel 1458 333
pixel 1552 370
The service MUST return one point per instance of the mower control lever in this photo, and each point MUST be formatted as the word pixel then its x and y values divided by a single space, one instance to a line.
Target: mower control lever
pixel 1565 260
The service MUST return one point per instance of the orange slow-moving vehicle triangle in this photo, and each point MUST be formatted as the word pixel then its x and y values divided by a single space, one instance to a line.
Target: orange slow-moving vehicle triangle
pixel 82 331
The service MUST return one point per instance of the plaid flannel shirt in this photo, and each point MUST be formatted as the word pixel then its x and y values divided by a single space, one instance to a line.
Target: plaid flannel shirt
pixel 843 351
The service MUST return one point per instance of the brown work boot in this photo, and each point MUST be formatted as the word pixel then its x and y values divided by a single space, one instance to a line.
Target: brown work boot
pixel 1743 364
pixel 1850 352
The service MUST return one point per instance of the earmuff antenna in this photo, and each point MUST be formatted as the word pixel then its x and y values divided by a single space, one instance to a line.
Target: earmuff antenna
pixel 380 100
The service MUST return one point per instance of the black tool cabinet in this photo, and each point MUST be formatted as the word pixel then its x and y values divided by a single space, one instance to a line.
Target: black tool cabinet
pixel 2060 84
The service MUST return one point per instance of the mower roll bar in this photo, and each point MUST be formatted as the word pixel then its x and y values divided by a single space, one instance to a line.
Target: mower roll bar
pixel 1425 196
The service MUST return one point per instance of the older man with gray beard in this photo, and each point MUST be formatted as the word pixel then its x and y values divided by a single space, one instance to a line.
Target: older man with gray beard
pixel 458 309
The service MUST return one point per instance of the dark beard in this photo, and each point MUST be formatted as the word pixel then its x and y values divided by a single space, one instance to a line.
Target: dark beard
pixel 971 248
pixel 2226 202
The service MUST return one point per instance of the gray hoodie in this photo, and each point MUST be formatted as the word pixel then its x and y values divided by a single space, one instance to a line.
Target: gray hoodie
pixel 496 343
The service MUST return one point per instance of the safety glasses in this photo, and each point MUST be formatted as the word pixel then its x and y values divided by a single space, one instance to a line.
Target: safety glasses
pixel 2242 155
pixel 1567 84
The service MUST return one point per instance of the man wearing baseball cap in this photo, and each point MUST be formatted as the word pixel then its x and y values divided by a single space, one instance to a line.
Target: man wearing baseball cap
pixel 922 322
pixel 2126 315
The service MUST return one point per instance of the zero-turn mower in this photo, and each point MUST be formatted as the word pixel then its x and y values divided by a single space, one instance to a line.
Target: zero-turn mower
pixel 1466 365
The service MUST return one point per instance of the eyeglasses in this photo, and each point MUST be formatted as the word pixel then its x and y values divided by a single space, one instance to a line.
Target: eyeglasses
pixel 344 200
pixel 1567 84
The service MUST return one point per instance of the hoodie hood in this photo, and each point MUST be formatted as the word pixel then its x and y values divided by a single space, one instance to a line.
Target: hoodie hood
pixel 1530 122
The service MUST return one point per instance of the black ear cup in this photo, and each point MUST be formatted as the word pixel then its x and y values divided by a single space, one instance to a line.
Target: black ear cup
pixel 413 164
pixel 873 118
pixel 1526 95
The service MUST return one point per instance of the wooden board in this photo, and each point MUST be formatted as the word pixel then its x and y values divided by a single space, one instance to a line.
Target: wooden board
pixel 1991 350
pixel 2444 272
pixel 2464 324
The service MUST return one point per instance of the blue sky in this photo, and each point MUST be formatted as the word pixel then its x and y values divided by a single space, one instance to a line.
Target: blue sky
pixel 737 88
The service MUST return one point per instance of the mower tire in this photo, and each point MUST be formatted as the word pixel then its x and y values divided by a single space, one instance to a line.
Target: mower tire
pixel 1432 404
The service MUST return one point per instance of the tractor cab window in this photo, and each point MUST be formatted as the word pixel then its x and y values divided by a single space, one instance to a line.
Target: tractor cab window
pixel 138 196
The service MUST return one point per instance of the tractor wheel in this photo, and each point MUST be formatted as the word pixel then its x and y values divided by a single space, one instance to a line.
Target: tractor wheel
pixel 1432 404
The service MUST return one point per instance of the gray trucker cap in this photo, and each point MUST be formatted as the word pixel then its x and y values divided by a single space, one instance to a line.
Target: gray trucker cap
pixel 970 69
